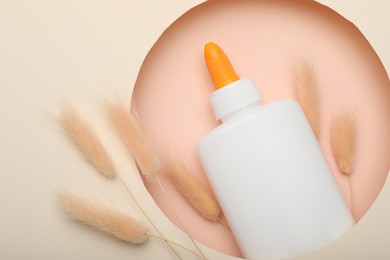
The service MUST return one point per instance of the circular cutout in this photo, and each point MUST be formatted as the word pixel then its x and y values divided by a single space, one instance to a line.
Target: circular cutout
pixel 267 41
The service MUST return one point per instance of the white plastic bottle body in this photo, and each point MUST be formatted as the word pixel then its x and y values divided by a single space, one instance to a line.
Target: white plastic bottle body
pixel 273 183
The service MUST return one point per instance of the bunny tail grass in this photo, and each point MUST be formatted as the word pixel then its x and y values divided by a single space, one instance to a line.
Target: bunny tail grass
pixel 307 95
pixel 104 219
pixel 128 127
pixel 343 140
pixel 193 192
pixel 87 141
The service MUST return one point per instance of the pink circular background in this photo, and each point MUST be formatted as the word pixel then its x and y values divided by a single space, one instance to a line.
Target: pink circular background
pixel 265 40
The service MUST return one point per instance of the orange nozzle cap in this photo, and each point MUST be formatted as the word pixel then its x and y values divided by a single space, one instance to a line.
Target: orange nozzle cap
pixel 219 66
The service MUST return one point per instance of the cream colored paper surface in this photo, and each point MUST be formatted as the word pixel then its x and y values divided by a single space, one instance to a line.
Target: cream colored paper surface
pixel 60 50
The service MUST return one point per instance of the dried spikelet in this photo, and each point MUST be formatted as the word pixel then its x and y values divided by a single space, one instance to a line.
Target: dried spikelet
pixel 135 141
pixel 307 95
pixel 87 141
pixel 193 192
pixel 343 139
pixel 104 219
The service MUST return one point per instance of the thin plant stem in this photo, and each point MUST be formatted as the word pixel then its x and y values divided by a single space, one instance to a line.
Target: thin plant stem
pixel 175 244
pixel 351 196
pixel 178 218
pixel 224 222
pixel 147 217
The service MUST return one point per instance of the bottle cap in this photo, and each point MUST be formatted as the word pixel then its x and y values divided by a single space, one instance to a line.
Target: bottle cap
pixel 232 93
pixel 221 71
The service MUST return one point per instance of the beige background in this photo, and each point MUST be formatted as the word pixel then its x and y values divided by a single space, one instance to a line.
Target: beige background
pixel 52 51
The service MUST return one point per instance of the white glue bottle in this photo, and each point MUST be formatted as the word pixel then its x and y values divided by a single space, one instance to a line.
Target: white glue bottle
pixel 267 170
